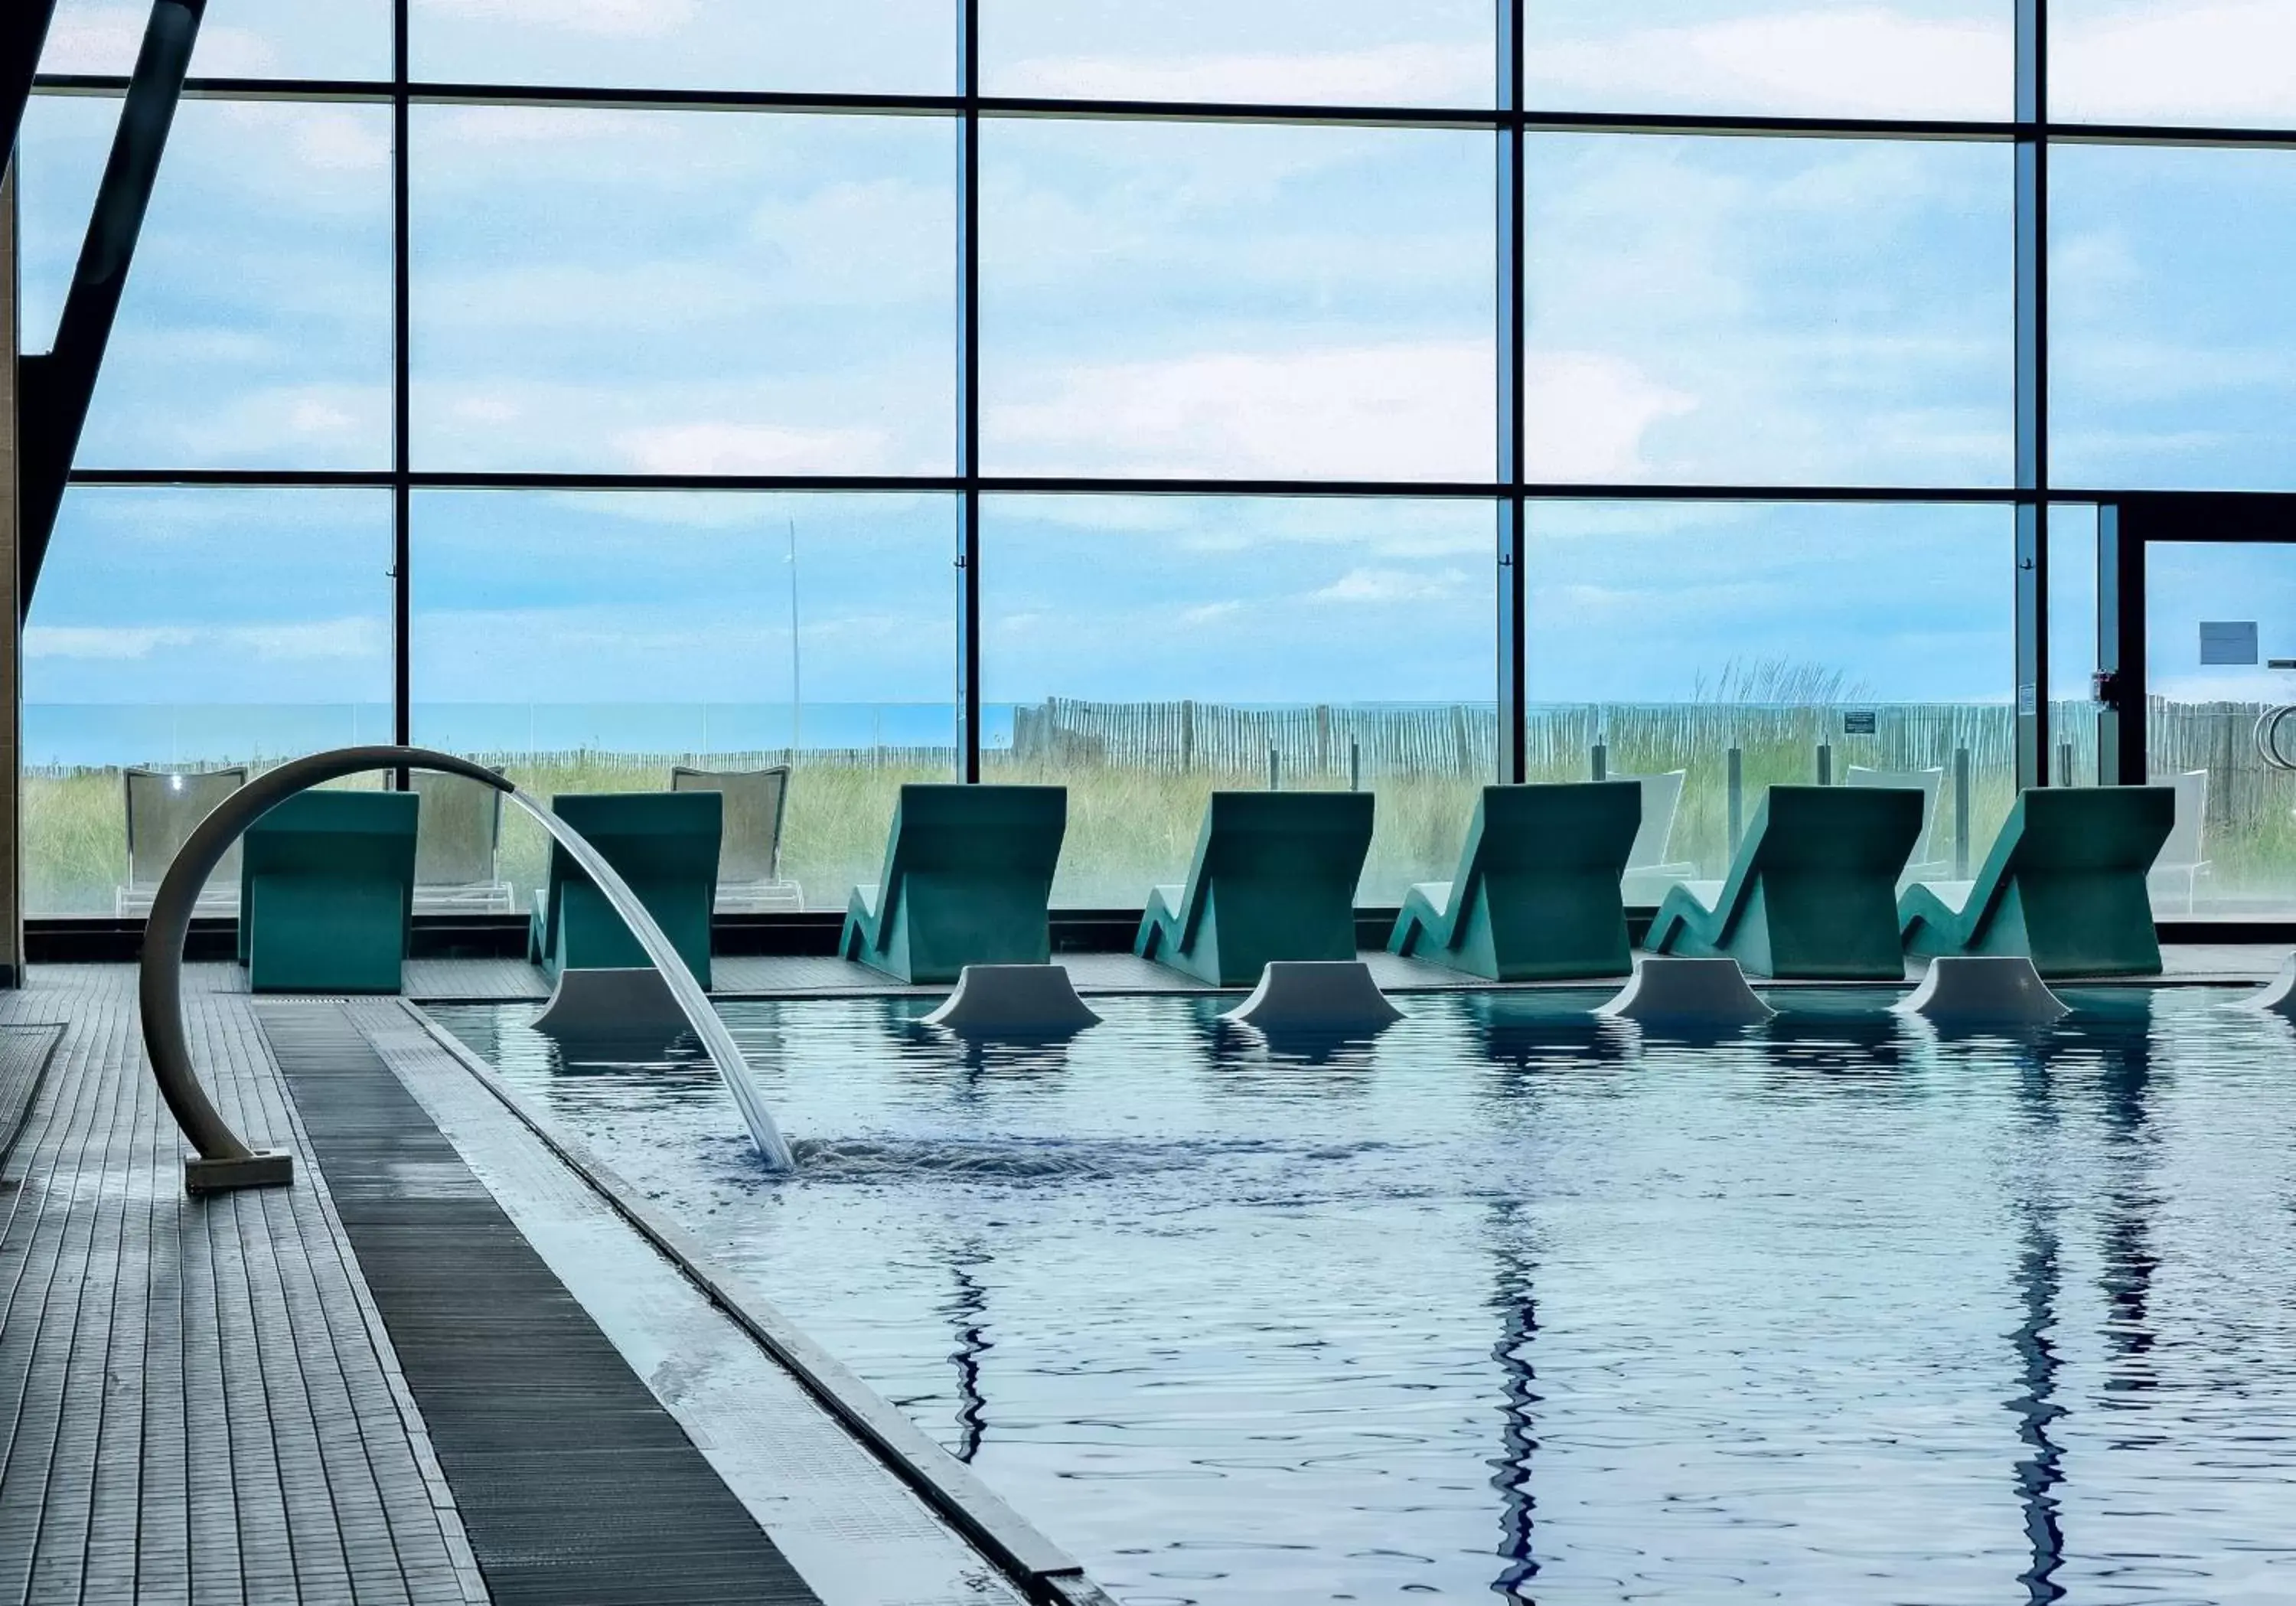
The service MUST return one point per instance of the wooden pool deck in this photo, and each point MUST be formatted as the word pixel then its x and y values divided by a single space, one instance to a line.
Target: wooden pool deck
pixel 442 1367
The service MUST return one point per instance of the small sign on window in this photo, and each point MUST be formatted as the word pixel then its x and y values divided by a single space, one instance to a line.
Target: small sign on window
pixel 2227 640
pixel 1858 721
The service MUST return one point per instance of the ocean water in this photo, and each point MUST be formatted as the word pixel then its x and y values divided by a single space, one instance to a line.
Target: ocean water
pixel 1510 1301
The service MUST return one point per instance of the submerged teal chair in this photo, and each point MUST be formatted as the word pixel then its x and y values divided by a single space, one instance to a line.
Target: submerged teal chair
pixel 1274 878
pixel 326 893
pixel 665 846
pixel 968 877
pixel 2064 885
pixel 1813 891
pixel 1536 893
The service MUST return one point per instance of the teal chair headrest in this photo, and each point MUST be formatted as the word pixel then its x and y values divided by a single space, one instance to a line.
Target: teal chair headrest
pixel 2092 828
pixel 648 832
pixel 954 826
pixel 1561 825
pixel 365 813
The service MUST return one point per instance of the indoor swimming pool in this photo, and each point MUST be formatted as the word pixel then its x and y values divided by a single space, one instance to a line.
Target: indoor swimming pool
pixel 1506 1299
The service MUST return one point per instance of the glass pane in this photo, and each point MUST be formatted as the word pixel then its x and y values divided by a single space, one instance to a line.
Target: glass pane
pixel 1144 653
pixel 1671 635
pixel 2073 642
pixel 261 283
pixel 1891 58
pixel 2217 615
pixel 187 629
pixel 587 643
pixel 243 39
pixel 2169 314
pixel 775 293
pixel 1349 53
pixel 60 155
pixel 1757 311
pixel 1223 300
pixel 2222 64
pixel 876 46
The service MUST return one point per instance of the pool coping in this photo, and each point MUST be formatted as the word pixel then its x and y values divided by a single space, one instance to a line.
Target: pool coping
pixel 954 1491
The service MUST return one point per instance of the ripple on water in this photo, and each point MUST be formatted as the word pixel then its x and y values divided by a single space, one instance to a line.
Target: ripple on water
pixel 1840 1308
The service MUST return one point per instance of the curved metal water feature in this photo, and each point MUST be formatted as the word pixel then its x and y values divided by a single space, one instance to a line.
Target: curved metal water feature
pixel 224 1160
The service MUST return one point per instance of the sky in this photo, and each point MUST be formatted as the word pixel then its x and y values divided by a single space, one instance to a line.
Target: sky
pixel 625 291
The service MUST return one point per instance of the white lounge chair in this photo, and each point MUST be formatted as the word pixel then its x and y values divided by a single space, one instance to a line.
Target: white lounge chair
pixel 1649 875
pixel 2183 855
pixel 750 877
pixel 1929 863
pixel 163 808
pixel 457 840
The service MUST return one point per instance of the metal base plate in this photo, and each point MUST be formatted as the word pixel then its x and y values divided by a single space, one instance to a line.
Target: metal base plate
pixel 275 1169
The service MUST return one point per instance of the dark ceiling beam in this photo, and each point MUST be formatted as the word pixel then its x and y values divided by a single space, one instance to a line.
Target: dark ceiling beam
pixel 57 388
pixel 21 35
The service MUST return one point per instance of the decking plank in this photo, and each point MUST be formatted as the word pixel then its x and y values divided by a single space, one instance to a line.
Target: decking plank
pixel 195 1404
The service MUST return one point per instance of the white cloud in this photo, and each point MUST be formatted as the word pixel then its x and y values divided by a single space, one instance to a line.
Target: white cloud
pixel 2227 62
pixel 342 142
pixel 296 641
pixel 353 637
pixel 1391 75
pixel 603 19
pixel 1391 586
pixel 859 420
pixel 326 425
pixel 2170 61
pixel 734 449
pixel 1406 410
pixel 112 643
pixel 480 408
pixel 1586 415
pixel 460 128
pixel 1862 61
pixel 107 39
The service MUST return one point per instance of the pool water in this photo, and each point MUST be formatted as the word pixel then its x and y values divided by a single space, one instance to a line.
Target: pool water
pixel 1508 1300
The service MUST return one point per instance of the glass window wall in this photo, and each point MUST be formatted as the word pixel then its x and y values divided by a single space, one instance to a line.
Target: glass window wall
pixel 1768 311
pixel 261 283
pixel 1342 52
pixel 1146 652
pixel 589 643
pixel 185 631
pixel 1720 648
pixel 1037 392
pixel 2170 320
pixel 243 39
pixel 1239 301
pixel 668 292
pixel 1927 59
pixel 848 46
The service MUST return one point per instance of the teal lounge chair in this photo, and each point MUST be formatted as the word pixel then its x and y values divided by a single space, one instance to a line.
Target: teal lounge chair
pixel 1536 893
pixel 326 893
pixel 968 876
pixel 1812 893
pixel 2064 885
pixel 1274 878
pixel 665 846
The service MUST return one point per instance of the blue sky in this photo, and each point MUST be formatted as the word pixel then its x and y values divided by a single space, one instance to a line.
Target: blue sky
pixel 638 292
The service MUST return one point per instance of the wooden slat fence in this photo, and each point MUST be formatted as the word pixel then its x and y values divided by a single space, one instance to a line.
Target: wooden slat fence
pixel 1461 739
pixel 2244 792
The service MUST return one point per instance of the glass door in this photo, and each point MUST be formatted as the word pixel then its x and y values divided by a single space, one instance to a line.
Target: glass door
pixel 2217 668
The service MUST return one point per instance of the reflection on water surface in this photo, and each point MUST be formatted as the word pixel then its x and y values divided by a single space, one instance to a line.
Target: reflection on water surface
pixel 1511 1300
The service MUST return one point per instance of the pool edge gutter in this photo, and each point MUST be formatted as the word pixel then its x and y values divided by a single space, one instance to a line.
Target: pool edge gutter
pixel 955 1492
